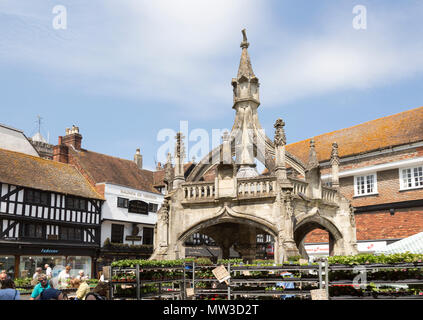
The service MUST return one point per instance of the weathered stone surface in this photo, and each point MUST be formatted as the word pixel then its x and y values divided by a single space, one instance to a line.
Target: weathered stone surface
pixel 234 208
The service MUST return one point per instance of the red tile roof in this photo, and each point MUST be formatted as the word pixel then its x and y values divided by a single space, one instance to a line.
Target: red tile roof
pixel 398 129
pixel 108 169
pixel 33 172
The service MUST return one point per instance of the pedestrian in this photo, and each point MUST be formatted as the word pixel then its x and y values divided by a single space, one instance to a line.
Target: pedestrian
pixel 83 288
pixel 43 284
pixel 100 292
pixel 52 294
pixel 48 270
pixel 81 276
pixel 3 275
pixel 8 290
pixel 64 278
pixel 38 272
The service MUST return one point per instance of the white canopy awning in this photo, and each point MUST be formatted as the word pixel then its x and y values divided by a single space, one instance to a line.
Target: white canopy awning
pixel 413 244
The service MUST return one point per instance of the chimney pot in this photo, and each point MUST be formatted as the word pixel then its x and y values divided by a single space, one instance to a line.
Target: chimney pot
pixel 138 158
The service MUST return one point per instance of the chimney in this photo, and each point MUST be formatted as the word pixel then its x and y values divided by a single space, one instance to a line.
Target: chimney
pixel 72 138
pixel 138 158
pixel 159 166
pixel 60 152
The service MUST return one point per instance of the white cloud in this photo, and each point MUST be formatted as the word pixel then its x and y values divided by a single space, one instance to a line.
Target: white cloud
pixel 340 57
pixel 183 52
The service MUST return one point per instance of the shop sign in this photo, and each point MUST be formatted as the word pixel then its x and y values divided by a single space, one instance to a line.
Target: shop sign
pixel 49 251
pixel 133 238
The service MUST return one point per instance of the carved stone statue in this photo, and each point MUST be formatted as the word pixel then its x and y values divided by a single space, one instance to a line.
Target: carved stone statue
pixel 334 157
pixel 352 217
pixel 280 137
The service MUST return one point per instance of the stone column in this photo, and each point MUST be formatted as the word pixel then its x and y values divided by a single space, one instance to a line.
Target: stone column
pixel 289 245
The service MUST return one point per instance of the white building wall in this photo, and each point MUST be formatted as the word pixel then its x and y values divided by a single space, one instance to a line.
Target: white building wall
pixel 14 140
pixel 110 211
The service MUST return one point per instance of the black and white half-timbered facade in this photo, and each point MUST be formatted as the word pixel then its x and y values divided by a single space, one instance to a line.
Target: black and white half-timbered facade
pixel 129 212
pixel 49 213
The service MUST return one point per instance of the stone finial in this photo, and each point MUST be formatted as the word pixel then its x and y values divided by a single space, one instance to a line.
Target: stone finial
pixel 280 138
pixel 312 160
pixel 225 136
pixel 245 68
pixel 168 169
pixel 334 157
pixel 244 43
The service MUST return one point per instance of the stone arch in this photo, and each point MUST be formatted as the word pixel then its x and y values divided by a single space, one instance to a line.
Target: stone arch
pixel 227 231
pixel 266 226
pixel 267 160
pixel 313 222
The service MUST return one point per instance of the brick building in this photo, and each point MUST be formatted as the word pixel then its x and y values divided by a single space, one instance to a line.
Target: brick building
pixel 381 172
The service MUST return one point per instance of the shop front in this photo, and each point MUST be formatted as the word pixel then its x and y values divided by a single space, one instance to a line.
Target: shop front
pixel 21 261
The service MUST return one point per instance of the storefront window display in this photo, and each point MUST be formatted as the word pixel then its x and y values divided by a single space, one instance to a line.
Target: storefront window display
pixel 8 263
pixel 28 264
pixel 79 263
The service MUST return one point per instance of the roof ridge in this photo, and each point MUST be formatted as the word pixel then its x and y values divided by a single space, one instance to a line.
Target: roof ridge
pixel 36 158
pixel 115 157
pixel 357 125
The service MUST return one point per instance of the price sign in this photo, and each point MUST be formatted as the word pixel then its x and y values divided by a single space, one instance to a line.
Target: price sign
pixel 221 274
pixel 107 273
pixel 190 292
pixel 318 294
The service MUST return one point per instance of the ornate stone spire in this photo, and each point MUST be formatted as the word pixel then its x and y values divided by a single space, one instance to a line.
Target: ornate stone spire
pixel 179 160
pixel 168 177
pixel 312 160
pixel 245 67
pixel 246 84
pixel 179 147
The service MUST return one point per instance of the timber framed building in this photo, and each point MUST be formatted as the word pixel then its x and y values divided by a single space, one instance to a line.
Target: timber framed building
pixel 49 213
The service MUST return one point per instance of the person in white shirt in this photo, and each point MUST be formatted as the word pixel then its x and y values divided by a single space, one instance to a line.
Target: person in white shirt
pixel 38 272
pixel 81 276
pixel 64 277
pixel 48 271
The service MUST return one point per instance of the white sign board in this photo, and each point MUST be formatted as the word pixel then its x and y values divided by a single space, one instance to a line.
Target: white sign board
pixel 318 294
pixel 221 274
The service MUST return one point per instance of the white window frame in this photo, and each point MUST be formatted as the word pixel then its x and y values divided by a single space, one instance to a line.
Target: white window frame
pixel 357 194
pixel 401 178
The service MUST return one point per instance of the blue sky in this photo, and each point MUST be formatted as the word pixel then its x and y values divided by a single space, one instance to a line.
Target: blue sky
pixel 124 70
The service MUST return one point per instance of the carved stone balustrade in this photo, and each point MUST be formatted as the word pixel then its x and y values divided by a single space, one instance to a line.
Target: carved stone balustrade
pixel 194 191
pixel 329 194
pixel 300 186
pixel 256 187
